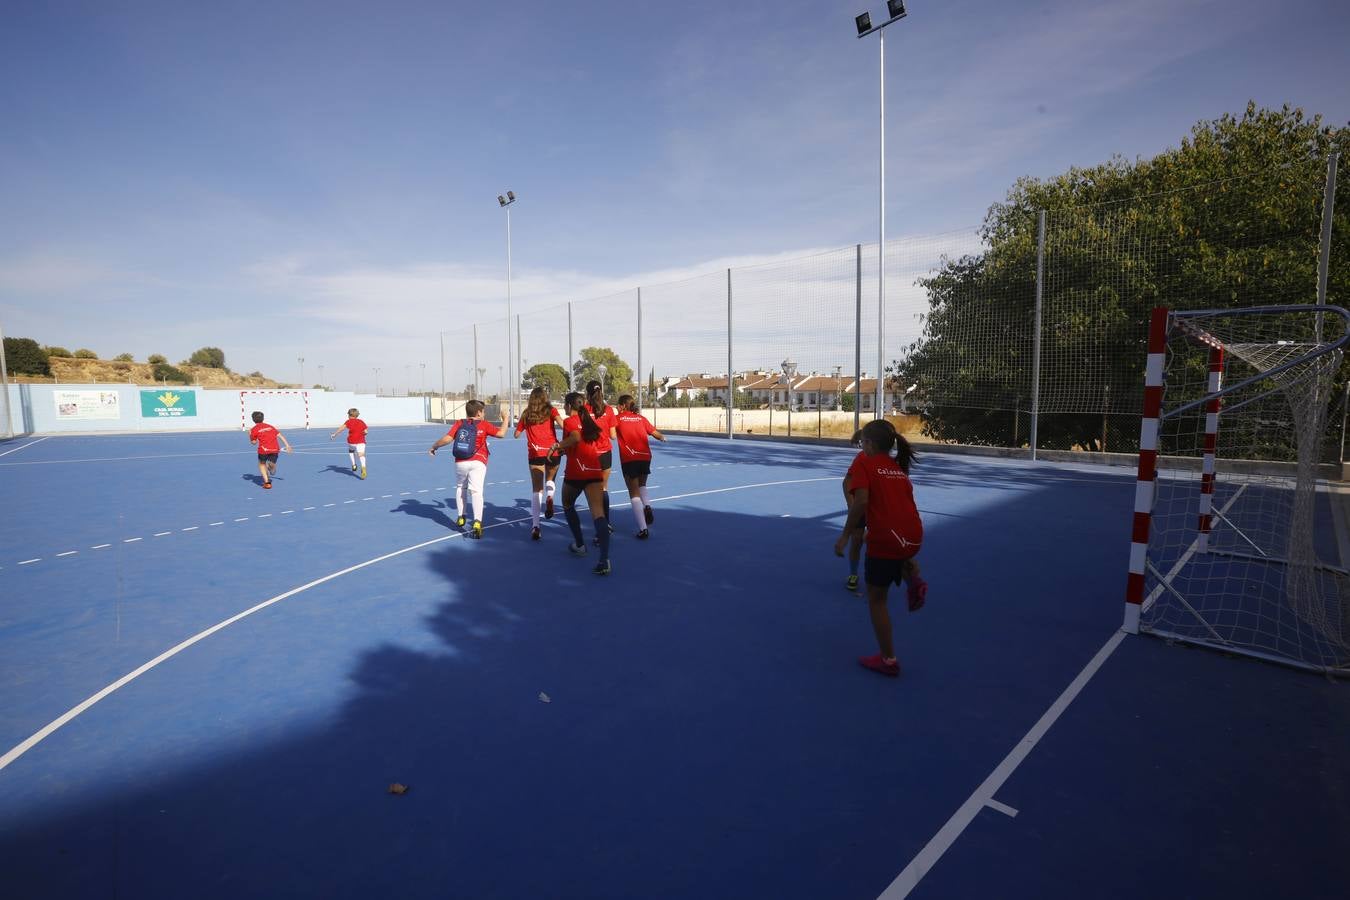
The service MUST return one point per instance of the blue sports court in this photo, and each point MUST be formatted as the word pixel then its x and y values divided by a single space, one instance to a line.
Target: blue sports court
pixel 208 690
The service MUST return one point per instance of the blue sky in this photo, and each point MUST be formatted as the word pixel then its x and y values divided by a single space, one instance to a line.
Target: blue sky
pixel 319 179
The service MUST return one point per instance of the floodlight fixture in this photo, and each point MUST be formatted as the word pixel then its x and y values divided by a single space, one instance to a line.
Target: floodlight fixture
pixel 864 23
pixel 511 195
pixel 896 8
pixel 501 200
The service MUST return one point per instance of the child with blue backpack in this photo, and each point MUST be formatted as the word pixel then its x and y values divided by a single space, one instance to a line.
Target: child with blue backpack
pixel 468 438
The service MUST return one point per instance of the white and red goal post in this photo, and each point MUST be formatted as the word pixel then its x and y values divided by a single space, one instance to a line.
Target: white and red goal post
pixel 1229 543
pixel 280 408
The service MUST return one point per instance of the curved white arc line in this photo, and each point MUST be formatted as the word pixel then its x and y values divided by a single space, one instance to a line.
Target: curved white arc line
pixel 46 731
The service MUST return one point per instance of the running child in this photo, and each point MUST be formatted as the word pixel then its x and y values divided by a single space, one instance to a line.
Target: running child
pixel 267 438
pixel 883 493
pixel 538 421
pixel 855 541
pixel 635 458
pixel 581 443
pixel 356 438
pixel 603 414
pixel 469 436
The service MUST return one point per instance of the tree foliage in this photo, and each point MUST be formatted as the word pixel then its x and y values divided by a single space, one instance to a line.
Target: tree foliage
pixel 57 352
pixel 162 371
pixel 549 376
pixel 83 353
pixel 208 357
pixel 24 356
pixel 1230 218
pixel 157 358
pixel 124 357
pixel 618 374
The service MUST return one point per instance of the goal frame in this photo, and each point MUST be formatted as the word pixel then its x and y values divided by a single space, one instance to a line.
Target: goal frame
pixel 244 421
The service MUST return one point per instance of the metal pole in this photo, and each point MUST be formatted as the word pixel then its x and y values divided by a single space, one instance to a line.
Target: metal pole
pixel 731 373
pixel 520 376
pixel 1036 330
pixel 857 352
pixel 511 406
pixel 1345 409
pixel 638 381
pixel 6 426
pixel 443 416
pixel 477 372
pixel 881 241
pixel 1324 257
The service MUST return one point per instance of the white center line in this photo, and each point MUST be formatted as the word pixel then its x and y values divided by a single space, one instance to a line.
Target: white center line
pixel 422 491
pixel 161 533
pixel 287 512
pixel 385 496
pixel 100 546
pixel 68 553
pixel 326 505
pixel 244 519
pixel 307 509
pixel 264 515
pixel 213 524
pixel 191 528
pixel 367 498
pixel 345 502
pixel 131 540
pixel 404 493
pixel 27 561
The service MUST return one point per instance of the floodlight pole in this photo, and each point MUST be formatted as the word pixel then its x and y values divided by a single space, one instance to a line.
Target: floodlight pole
pixel 505 203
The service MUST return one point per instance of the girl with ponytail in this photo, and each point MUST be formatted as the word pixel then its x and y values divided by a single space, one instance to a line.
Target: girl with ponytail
pixel 605 418
pixel 581 442
pixel 538 422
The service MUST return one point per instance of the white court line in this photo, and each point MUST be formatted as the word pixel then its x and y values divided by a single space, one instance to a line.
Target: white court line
pixel 307 509
pixel 213 524
pixel 100 546
pixel 29 444
pixel 68 553
pixel 326 505
pixel 345 502
pixel 244 519
pixel 27 561
pixel 131 540
pixel 422 491
pixel 161 533
pixel 264 515
pixel 190 528
pixel 287 512
pixel 44 732
pixel 913 873
pixel 1001 807
pixel 385 496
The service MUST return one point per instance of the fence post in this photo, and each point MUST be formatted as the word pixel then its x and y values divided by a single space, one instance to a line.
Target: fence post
pixel 443 419
pixel 1324 256
pixel 477 372
pixel 571 360
pixel 857 350
pixel 637 384
pixel 731 373
pixel 1036 333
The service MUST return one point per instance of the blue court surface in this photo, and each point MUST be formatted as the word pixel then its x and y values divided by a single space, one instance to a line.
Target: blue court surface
pixel 206 690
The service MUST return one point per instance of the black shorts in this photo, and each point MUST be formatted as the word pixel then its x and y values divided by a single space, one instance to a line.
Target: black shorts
pixel 637 468
pixel 546 461
pixel 880 572
pixel 579 483
pixel 268 457
pixel 607 460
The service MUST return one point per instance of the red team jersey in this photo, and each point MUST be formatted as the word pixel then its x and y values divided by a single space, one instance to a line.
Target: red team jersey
pixel 583 460
pixel 606 420
pixel 633 430
pixel 894 530
pixel 356 431
pixel 266 436
pixel 539 439
pixel 485 430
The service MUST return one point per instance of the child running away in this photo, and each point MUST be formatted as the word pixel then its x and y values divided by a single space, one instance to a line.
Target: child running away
pixel 635 456
pixel 356 438
pixel 469 436
pixel 882 492
pixel 267 438
pixel 581 443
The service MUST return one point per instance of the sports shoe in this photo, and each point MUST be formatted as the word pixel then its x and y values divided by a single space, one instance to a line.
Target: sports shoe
pixel 643 534
pixel 602 568
pixel 879 665
pixel 852 582
pixel 460 521
pixel 534 533
pixel 577 549
pixel 648 514
pixel 916 591
pixel 477 530
pixel 363 471
pixel 548 508
pixel 267 485
pixel 353 467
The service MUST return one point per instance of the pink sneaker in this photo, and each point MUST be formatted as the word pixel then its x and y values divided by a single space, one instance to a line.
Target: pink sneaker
pixel 916 592
pixel 879 665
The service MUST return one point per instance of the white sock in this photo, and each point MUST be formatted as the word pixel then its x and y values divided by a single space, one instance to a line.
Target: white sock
pixel 363 460
pixel 551 487
pixel 536 500
pixel 646 499
pixel 459 502
pixel 477 498
pixel 352 457
pixel 637 513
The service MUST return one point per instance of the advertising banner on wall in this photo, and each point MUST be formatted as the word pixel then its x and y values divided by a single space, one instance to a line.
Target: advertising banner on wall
pixel 167 404
pixel 86 404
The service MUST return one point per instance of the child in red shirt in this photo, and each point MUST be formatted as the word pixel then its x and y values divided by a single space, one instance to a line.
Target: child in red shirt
pixel 584 473
pixel 603 414
pixel 356 438
pixel 471 471
pixel 882 492
pixel 538 422
pixel 635 456
pixel 267 438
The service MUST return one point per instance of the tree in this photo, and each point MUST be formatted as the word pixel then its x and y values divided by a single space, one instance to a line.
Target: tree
pixel 208 357
pixel 58 352
pixel 165 372
pixel 618 374
pixel 1231 218
pixel 85 354
pixel 550 376
pixel 156 358
pixel 24 356
pixel 846 402
pixel 124 357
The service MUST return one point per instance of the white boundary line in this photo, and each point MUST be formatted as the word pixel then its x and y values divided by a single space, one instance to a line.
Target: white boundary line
pixel 29 444
pixel 46 731
pixel 918 867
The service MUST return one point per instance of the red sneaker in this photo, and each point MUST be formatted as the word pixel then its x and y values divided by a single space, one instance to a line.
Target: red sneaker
pixel 267 485
pixel 548 508
pixel 879 665
pixel 534 533
pixel 916 591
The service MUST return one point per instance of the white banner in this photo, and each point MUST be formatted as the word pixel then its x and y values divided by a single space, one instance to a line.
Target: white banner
pixel 86 404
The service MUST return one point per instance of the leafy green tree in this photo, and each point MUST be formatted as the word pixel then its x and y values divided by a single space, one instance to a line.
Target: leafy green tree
pixel 208 357
pixel 1230 218
pixel 124 357
pixel 24 356
pixel 618 374
pixel 671 399
pixel 846 402
pixel 550 376
pixel 157 358
pixel 57 352
pixel 85 354
pixel 165 372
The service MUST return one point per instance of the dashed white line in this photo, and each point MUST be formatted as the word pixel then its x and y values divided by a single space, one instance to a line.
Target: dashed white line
pixel 369 498
pixel 244 519
pixel 214 524
pixel 68 553
pixel 190 528
pixel 385 496
pixel 131 540
pixel 422 491
pixel 307 509
pixel 161 533
pixel 404 493
pixel 100 546
pixel 264 515
pixel 345 502
pixel 326 505
pixel 287 512
pixel 27 561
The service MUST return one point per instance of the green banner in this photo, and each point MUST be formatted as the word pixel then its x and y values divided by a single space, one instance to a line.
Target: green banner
pixel 168 404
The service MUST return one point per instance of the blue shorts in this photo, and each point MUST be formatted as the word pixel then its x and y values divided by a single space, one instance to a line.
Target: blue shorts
pixel 268 457
pixel 879 572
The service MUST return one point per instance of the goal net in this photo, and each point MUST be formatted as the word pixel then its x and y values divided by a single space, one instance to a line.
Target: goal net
pixel 1234 545
pixel 283 409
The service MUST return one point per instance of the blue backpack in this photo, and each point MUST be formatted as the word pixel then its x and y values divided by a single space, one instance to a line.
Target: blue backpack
pixel 465 444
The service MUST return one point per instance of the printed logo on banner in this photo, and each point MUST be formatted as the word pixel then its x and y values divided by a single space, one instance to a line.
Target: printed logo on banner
pixel 86 404
pixel 167 404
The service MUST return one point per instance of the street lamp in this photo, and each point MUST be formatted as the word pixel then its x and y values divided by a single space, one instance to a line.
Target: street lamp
pixel 896 9
pixel 602 369
pixel 838 389
pixel 301 360
pixel 505 203
pixel 789 372
pixel 377 381
pixel 422 388
pixel 482 370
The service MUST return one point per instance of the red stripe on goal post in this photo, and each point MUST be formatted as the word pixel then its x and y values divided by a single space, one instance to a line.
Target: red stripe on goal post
pixel 1148 467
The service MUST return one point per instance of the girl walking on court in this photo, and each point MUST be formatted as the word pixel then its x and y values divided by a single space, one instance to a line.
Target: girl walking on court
pixel 581 443
pixel 538 422
pixel 469 436
pixel 635 457
pixel 356 438
pixel 855 541
pixel 603 414
pixel 882 492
